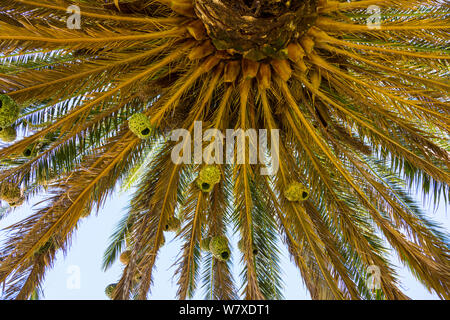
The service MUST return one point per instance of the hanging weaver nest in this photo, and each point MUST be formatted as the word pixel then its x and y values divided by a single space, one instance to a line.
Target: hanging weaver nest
pixel 11 193
pixel 9 111
pixel 30 151
pixel 8 134
pixel 352 105
pixel 210 174
pixel 17 203
pixel 219 248
pixel 46 247
pixel 204 186
pixel 241 247
pixel 296 191
pixel 140 125
pixel 125 257
pixel 204 244
pixel 130 241
pixel 129 238
pixel 109 290
pixel 137 277
pixel 208 177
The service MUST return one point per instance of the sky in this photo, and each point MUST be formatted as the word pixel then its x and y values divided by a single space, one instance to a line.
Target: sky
pixel 79 276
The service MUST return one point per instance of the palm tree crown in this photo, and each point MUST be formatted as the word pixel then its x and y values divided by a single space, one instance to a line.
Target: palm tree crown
pixel 361 108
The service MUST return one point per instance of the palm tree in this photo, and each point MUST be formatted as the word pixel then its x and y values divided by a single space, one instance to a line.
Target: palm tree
pixel 362 112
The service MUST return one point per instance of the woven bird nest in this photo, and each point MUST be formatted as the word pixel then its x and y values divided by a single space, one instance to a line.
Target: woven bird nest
pixel 8 134
pixel 30 151
pixel 46 247
pixel 109 290
pixel 9 111
pixel 125 257
pixel 204 186
pixel 241 247
pixel 210 174
pixel 137 277
pixel 11 193
pixel 140 125
pixel 296 191
pixel 172 224
pixel 208 177
pixel 219 248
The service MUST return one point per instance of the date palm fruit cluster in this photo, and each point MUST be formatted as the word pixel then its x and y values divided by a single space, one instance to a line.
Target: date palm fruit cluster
pixel 218 246
pixel 296 191
pixel 140 125
pixel 208 177
pixel 11 193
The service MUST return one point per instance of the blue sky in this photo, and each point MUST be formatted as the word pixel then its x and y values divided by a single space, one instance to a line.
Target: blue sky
pixel 84 259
